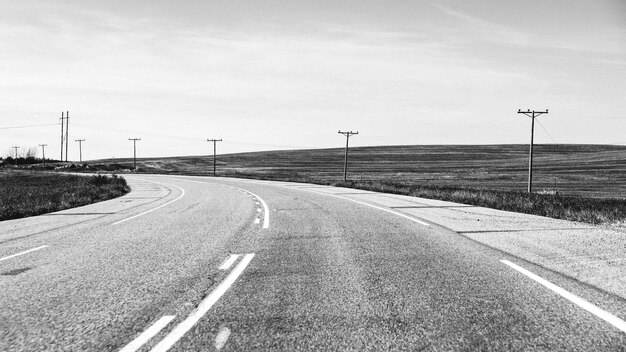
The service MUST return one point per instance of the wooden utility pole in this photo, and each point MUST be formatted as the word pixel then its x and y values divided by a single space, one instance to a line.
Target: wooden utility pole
pixel 65 119
pixel 214 146
pixel 134 151
pixel 67 133
pixel 532 114
pixel 345 164
pixel 80 148
pixel 16 148
pixel 62 135
pixel 43 152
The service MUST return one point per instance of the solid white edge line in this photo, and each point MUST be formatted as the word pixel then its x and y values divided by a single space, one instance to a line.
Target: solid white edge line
pixel 591 308
pixel 148 334
pixel 229 261
pixel 21 253
pixel 151 210
pixel 206 304
pixel 375 207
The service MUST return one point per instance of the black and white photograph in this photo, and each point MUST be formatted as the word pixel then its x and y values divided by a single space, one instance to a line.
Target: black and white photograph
pixel 312 175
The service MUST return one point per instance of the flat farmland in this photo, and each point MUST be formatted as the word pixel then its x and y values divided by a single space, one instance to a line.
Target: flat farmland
pixel 594 171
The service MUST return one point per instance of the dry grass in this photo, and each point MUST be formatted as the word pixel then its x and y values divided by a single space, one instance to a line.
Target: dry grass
pixel 27 193
pixel 590 179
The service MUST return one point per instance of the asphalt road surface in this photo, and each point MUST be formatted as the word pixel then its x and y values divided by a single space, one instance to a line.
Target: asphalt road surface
pixel 202 264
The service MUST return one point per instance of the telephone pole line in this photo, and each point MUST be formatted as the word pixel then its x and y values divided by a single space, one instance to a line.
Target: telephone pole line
pixel 134 151
pixel 533 115
pixel 214 146
pixel 16 148
pixel 345 164
pixel 80 148
pixel 43 152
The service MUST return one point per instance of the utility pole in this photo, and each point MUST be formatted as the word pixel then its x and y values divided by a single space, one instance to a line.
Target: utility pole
pixel 533 115
pixel 214 145
pixel 345 164
pixel 80 148
pixel 16 148
pixel 43 152
pixel 65 139
pixel 62 135
pixel 67 133
pixel 134 151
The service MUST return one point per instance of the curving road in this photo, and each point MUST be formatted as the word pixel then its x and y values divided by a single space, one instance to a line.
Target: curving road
pixel 201 264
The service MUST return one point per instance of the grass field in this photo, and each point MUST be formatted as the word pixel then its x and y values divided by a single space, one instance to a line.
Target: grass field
pixel 28 193
pixel 590 179
pixel 596 171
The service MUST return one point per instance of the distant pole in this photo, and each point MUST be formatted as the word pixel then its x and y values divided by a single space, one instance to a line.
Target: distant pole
pixel 532 114
pixel 16 148
pixel 43 152
pixel 80 148
pixel 214 147
pixel 345 164
pixel 67 132
pixel 134 151
pixel 62 135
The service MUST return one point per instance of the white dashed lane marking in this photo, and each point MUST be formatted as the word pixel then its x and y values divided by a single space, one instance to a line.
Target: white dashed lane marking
pixel 181 329
pixel 229 261
pixel 148 334
pixel 222 338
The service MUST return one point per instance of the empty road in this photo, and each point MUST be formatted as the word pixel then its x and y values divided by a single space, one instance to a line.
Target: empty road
pixel 202 264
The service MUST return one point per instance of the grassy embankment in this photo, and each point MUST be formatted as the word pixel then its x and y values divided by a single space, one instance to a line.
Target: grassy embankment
pixel 25 194
pixel 590 179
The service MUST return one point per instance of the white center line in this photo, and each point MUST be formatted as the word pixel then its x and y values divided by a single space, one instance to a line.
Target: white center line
pixel 229 261
pixel 266 217
pixel 148 334
pixel 591 308
pixel 151 210
pixel 21 253
pixel 221 338
pixel 182 328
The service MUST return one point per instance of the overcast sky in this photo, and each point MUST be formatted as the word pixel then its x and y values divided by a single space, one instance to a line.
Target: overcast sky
pixel 288 74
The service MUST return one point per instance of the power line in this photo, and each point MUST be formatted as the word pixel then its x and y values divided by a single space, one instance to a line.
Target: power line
pixel 26 126
pixel 546 131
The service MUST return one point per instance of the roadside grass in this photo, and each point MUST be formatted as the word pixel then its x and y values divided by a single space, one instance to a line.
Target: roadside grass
pixel 590 179
pixel 27 193
pixel 589 210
